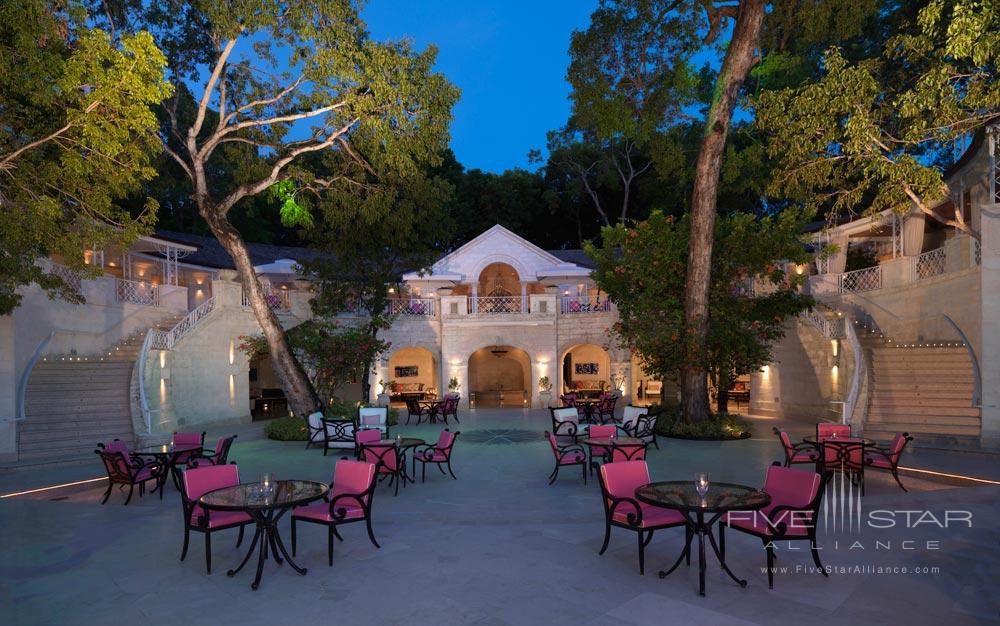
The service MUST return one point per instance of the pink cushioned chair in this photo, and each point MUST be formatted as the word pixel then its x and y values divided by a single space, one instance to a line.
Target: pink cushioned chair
pixel 628 452
pixel 567 455
pixel 349 500
pixel 196 482
pixel 796 453
pixel 365 437
pixel 603 452
pixel 826 430
pixel 389 462
pixel 125 469
pixel 888 458
pixel 606 408
pixel 618 484
pixel 439 454
pixel 218 456
pixel 795 498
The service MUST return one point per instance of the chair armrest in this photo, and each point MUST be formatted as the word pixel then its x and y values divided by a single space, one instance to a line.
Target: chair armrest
pixel 634 519
pixel 339 514
pixel 778 516
pixel 566 450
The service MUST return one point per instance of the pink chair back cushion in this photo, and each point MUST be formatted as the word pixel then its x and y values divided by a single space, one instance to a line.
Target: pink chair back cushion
pixel 199 481
pixel 831 430
pixel 445 439
pixel 384 453
pixel 786 442
pixel 789 486
pixel 843 451
pixel 370 435
pixel 187 439
pixel 352 477
pixel 220 447
pixel 600 432
pixel 554 444
pixel 621 479
pixel 898 443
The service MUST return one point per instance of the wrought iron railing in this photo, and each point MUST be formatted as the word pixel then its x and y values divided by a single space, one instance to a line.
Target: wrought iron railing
pixel 585 304
pixel 276 298
pixel 137 292
pixel 414 307
pixel 831 328
pixel 190 321
pixel 499 304
pixel 865 279
pixel 929 264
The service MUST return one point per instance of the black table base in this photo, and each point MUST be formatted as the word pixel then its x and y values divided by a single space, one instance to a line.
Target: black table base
pixel 270 544
pixel 698 526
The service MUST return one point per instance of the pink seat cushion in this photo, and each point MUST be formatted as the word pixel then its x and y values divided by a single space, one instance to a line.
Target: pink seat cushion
pixel 321 510
pixel 433 456
pixel 219 518
pixel 877 459
pixel 651 515
pixel 572 458
pixel 805 456
pixel 145 473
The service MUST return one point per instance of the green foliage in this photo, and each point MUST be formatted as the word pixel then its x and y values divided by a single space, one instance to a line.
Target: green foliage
pixel 77 133
pixel 287 428
pixel 544 384
pixel 643 269
pixel 719 426
pixel 453 384
pixel 333 356
pixel 865 134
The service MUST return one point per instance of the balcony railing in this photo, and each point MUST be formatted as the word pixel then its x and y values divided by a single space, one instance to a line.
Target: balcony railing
pixel 70 277
pixel 585 304
pixel 865 279
pixel 415 307
pixel 137 292
pixel 276 298
pixel 929 264
pixel 498 304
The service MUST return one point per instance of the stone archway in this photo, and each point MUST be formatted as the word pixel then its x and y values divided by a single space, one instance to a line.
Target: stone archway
pixel 585 368
pixel 414 371
pixel 500 376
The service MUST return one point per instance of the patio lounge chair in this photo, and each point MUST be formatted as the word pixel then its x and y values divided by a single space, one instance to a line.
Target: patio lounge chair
pixel 196 482
pixel 317 432
pixel 338 434
pixel 219 456
pixel 606 408
pixel 415 409
pixel 349 500
pixel 618 484
pixel 792 515
pixel 604 452
pixel 363 438
pixel 374 417
pixel 439 454
pixel 888 458
pixel 567 455
pixel 636 422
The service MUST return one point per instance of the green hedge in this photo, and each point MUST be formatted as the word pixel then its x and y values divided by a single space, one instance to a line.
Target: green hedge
pixel 721 426
pixel 287 429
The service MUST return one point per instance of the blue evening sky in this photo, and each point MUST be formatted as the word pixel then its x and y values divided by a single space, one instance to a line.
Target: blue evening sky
pixel 509 58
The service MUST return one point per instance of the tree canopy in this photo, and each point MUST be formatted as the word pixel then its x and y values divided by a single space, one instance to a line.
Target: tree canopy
pixel 77 133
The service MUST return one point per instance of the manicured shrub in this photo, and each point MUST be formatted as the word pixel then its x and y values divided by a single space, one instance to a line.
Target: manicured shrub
pixel 287 429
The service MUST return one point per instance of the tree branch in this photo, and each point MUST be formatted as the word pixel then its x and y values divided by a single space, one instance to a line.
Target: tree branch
pixel 220 65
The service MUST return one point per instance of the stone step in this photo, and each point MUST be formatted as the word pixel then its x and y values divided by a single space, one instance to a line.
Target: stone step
pixel 940 430
pixel 889 409
pixel 921 401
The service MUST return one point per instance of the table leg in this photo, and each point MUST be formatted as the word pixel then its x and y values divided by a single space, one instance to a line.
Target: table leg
pixel 253 544
pixel 685 552
pixel 700 529
pixel 741 582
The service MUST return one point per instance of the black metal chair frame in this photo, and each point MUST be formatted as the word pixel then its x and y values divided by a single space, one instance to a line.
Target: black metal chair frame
pixel 563 451
pixel 779 528
pixel 799 447
pixel 117 477
pixel 842 462
pixel 645 426
pixel 312 432
pixel 628 450
pixel 420 412
pixel 216 457
pixel 395 477
pixel 340 433
pixel 202 524
pixel 559 427
pixel 452 412
pixel 894 470
pixel 339 515
pixel 423 454
pixel 634 524
pixel 607 412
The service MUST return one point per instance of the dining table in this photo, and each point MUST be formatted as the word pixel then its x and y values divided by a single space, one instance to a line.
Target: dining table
pixel 701 511
pixel 170 456
pixel 433 408
pixel 266 504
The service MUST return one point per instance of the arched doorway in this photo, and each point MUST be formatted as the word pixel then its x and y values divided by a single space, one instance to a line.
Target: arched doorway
pixel 500 376
pixel 586 370
pixel 499 289
pixel 414 372
pixel 267 399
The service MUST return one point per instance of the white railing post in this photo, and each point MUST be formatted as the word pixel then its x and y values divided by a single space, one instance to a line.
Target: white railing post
pixel 143 399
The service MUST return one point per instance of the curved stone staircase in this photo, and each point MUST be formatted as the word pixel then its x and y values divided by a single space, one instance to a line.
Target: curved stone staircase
pixel 71 405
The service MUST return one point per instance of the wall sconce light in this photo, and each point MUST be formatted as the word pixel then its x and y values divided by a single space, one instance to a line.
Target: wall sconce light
pixel 232 352
pixel 835 346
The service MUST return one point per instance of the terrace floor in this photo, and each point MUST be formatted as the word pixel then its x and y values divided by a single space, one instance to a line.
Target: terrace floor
pixel 498 546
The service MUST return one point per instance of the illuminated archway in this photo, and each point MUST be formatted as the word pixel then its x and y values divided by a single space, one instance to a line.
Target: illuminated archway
pixel 586 369
pixel 414 371
pixel 500 376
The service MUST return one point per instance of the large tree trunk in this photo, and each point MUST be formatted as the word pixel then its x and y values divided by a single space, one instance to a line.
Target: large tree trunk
pixel 739 58
pixel 299 392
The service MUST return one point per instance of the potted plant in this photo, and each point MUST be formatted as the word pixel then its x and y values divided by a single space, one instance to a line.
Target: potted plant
pixel 386 389
pixel 454 386
pixel 618 382
pixel 544 391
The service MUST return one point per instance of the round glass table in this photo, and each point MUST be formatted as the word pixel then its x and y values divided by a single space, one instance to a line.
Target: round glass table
pixel 170 456
pixel 701 512
pixel 266 507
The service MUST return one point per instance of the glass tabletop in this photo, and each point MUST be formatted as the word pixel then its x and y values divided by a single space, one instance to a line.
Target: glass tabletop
pixel 252 496
pixel 681 495
pixel 606 441
pixel 405 442
pixel 167 448
pixel 814 440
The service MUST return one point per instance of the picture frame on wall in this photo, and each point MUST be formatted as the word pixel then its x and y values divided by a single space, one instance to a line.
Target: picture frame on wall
pixel 407 371
pixel 586 368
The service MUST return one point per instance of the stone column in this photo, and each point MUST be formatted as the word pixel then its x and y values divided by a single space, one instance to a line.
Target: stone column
pixel 989 350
